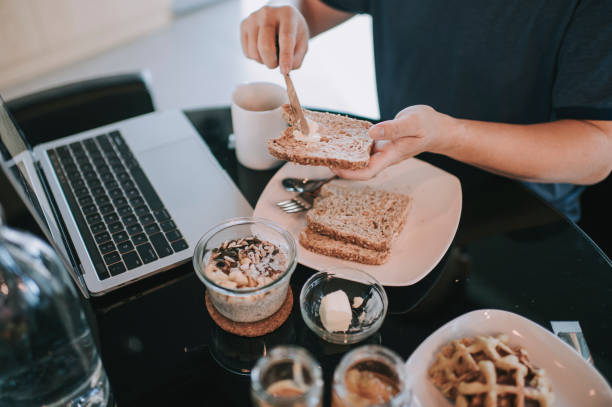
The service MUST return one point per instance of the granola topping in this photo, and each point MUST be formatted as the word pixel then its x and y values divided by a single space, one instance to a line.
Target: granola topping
pixel 246 263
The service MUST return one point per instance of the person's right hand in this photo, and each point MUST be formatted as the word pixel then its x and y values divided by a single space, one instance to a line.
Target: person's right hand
pixel 275 36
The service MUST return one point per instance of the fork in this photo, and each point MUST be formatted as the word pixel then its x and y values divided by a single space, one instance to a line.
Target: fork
pixel 304 200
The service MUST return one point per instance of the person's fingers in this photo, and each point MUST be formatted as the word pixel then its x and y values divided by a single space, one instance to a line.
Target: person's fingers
pixel 393 129
pixel 252 51
pixel 275 36
pixel 301 46
pixel 244 37
pixel 287 32
pixel 378 162
pixel 379 145
pixel 377 132
pixel 407 123
pixel 266 44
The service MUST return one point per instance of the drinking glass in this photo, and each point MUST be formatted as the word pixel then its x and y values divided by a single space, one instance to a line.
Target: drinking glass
pixel 287 377
pixel 370 376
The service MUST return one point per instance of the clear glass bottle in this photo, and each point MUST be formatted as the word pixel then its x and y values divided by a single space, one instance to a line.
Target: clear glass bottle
pixel 368 376
pixel 287 377
pixel 47 353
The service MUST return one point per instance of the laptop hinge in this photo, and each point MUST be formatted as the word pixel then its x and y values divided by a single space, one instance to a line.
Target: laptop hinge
pixel 74 268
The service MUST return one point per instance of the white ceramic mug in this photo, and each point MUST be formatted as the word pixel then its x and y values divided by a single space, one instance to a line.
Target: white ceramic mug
pixel 256 117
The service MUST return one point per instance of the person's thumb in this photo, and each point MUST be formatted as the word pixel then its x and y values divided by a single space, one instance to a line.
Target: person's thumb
pixel 387 130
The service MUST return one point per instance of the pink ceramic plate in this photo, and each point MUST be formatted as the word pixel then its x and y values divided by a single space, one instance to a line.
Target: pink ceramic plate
pixel 429 230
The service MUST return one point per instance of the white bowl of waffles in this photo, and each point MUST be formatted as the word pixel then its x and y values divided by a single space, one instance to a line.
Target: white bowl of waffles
pixel 506 358
pixel 246 264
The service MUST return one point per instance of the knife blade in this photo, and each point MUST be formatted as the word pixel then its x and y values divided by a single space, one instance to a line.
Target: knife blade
pixel 296 107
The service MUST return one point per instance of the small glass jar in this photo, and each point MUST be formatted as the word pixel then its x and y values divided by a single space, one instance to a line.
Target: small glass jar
pixel 370 376
pixel 287 377
pixel 246 304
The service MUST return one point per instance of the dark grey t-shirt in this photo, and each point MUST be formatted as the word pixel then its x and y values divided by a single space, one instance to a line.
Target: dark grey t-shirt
pixel 522 61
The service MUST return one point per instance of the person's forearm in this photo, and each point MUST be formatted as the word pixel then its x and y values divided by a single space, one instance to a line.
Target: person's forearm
pixel 319 16
pixel 569 151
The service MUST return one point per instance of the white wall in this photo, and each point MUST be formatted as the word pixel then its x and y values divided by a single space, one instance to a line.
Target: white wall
pixel 37 36
pixel 197 60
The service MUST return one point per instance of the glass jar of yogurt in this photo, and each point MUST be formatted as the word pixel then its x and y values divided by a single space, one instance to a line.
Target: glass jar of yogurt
pixel 246 264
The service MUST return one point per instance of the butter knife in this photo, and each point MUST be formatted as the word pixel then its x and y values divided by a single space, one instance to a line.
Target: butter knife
pixel 296 107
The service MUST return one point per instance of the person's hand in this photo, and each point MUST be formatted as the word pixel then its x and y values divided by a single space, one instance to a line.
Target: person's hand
pixel 275 36
pixel 414 130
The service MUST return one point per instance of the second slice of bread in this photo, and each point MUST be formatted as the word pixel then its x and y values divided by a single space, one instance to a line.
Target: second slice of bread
pixel 347 251
pixel 335 141
pixel 366 217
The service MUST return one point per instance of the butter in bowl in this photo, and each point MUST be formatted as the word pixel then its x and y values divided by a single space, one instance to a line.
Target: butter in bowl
pixel 344 305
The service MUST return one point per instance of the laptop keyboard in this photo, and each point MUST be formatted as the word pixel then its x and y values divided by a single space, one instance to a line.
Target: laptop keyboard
pixel 122 220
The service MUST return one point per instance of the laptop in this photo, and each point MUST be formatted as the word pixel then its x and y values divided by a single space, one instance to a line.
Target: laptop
pixel 122 201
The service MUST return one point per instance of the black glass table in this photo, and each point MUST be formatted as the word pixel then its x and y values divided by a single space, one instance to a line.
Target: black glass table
pixel 512 252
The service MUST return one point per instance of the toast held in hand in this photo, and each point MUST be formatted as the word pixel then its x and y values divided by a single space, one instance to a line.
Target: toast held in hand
pixel 334 141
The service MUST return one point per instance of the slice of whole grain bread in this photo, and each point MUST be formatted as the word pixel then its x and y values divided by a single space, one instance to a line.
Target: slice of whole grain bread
pixel 367 217
pixel 334 141
pixel 327 246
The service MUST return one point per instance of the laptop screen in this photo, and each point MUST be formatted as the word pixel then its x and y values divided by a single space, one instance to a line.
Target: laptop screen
pixel 17 161
pixel 19 180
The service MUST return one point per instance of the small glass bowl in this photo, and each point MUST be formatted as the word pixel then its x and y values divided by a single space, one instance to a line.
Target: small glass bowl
pixel 250 304
pixel 367 318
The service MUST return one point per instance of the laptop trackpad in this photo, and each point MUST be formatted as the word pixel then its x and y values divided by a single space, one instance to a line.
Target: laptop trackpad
pixel 193 187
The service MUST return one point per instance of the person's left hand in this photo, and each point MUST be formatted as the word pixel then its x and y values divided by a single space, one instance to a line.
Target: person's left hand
pixel 414 130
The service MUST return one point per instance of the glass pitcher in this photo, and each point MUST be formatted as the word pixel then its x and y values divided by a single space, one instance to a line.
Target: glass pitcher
pixel 47 353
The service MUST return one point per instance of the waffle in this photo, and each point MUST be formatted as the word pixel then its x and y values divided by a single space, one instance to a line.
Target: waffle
pixel 485 371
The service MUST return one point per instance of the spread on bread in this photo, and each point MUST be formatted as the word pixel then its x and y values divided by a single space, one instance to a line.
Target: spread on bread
pixel 334 141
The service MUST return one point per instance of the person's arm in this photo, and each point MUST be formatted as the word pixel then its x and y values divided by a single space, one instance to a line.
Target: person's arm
pixel 278 34
pixel 568 151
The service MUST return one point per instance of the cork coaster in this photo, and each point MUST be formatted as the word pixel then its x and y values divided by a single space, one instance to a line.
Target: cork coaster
pixel 252 329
